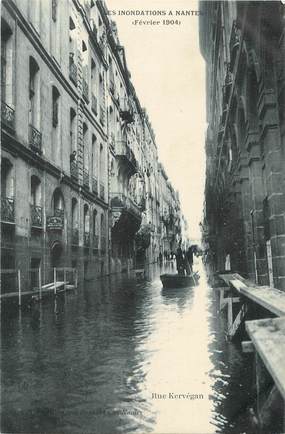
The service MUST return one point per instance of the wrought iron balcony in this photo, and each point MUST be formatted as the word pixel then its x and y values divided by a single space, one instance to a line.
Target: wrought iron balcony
pixel 86 239
pixel 7 115
pixel 36 216
pixel 7 210
pixel 85 90
pixel 94 186
pixel 72 71
pixel 121 202
pixel 75 237
pixel 56 221
pixel 58 212
pixel 102 191
pixel 127 156
pixel 102 115
pixel 86 178
pixel 74 169
pixel 94 104
pixel 126 111
pixel 35 139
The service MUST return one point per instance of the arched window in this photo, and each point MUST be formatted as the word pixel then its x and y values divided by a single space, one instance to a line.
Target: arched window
pixel 36 201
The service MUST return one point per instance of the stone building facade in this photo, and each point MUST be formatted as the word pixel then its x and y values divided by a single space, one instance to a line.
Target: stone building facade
pixel 77 182
pixel 243 44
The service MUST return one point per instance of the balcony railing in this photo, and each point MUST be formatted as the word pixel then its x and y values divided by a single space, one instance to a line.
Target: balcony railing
pixel 35 139
pixel 72 71
pixel 126 111
pixel 124 151
pixel 75 237
pixel 102 191
pixel 74 169
pixel 121 201
pixel 94 186
pixel 85 90
pixel 86 239
pixel 86 178
pixel 95 242
pixel 7 209
pixel 103 244
pixel 36 216
pixel 56 221
pixel 94 104
pixel 7 115
pixel 102 115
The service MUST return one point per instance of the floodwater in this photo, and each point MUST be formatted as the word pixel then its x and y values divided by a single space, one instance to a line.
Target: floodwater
pixel 121 356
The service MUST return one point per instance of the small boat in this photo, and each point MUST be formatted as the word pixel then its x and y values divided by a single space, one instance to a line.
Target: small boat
pixel 179 280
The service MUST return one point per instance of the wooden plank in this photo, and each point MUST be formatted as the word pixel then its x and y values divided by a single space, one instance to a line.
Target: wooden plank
pixel 270 298
pixel 237 284
pixel 268 338
pixel 238 320
pixel 227 277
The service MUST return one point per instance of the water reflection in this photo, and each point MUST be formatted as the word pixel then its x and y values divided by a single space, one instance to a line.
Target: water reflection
pixel 100 359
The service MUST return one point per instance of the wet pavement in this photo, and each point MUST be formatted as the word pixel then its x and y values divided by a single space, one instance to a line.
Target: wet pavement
pixel 121 356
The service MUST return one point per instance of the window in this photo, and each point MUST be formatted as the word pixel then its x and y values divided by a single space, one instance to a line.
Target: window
pixel 35 191
pixel 85 147
pixel 6 63
pixel 72 130
pixel 101 162
pixel 34 93
pixel 7 179
pixel 55 29
pixel 93 157
pixel 74 214
pixel 58 203
pixel 55 107
pixel 35 205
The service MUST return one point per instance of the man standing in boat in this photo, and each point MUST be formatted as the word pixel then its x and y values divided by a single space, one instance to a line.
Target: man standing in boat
pixel 180 260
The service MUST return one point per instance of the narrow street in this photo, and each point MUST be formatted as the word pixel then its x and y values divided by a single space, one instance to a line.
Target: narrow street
pixel 99 359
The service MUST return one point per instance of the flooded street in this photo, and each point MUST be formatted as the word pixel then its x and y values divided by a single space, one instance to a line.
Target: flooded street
pixel 100 359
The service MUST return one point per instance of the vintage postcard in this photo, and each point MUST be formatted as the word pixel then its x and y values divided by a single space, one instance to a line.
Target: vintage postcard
pixel 142 216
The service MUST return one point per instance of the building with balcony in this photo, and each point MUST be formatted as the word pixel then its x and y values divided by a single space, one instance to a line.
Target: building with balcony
pixel 79 167
pixel 244 48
